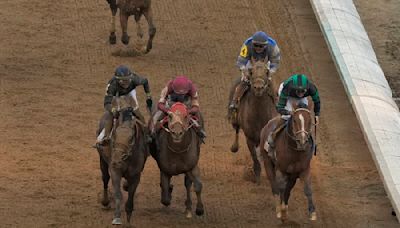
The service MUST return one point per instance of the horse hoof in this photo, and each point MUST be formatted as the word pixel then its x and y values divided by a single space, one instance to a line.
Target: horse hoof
pixel 117 221
pixel 125 40
pixel 106 204
pixel 199 211
pixel 313 216
pixel 278 215
pixel 166 202
pixel 234 148
pixel 189 214
pixel 113 39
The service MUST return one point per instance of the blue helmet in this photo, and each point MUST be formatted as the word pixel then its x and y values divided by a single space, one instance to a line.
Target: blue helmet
pixel 122 72
pixel 260 38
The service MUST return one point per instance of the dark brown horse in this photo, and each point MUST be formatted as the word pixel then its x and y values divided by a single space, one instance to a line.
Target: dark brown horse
pixel 256 108
pixel 294 148
pixel 137 8
pixel 125 156
pixel 177 152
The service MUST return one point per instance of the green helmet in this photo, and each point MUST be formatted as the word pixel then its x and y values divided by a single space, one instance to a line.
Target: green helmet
pixel 300 82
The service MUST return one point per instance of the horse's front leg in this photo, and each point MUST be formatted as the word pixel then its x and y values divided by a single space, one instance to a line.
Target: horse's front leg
pixel 123 17
pixel 166 189
pixel 152 29
pixel 235 145
pixel 114 8
pixel 285 203
pixel 306 177
pixel 188 202
pixel 130 204
pixel 194 175
pixel 106 178
pixel 116 182
pixel 281 182
pixel 256 162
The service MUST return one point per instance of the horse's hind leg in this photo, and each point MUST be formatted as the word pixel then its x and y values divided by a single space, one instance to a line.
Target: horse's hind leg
pixel 114 8
pixel 194 175
pixel 166 189
pixel 308 192
pixel 152 29
pixel 130 204
pixel 256 162
pixel 123 18
pixel 106 178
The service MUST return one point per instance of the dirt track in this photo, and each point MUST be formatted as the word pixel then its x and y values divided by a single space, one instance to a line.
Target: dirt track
pixel 55 63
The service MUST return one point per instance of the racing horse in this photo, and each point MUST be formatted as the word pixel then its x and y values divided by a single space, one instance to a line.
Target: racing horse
pixel 137 8
pixel 256 108
pixel 294 147
pixel 123 157
pixel 177 152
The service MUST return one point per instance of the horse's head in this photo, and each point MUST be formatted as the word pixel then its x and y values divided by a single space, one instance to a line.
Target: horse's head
pixel 124 128
pixel 301 125
pixel 258 77
pixel 178 121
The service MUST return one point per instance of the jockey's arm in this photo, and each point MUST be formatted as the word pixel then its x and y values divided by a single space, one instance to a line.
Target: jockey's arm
pixel 315 98
pixel 138 80
pixel 111 91
pixel 274 58
pixel 163 100
pixel 283 97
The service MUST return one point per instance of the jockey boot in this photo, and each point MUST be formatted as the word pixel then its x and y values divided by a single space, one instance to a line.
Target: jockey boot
pixel 271 146
pixel 240 89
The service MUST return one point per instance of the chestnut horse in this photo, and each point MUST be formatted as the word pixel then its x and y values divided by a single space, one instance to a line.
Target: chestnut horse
pixel 256 108
pixel 177 152
pixel 125 156
pixel 137 8
pixel 294 148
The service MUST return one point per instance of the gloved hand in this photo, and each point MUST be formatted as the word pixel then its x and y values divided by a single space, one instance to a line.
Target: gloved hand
pixel 194 109
pixel 285 112
pixel 149 103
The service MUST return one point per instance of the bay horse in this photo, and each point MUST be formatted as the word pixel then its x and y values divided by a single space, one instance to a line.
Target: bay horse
pixel 256 108
pixel 177 152
pixel 125 156
pixel 137 8
pixel 294 148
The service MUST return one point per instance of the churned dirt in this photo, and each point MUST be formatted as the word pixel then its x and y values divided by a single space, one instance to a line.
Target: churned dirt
pixel 54 65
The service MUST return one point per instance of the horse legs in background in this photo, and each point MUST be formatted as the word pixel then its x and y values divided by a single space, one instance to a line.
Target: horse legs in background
pixel 106 178
pixel 116 182
pixel 114 8
pixel 152 29
pixel 130 204
pixel 235 145
pixel 166 189
pixel 306 178
pixel 123 17
pixel 193 177
pixel 139 30
pixel 256 162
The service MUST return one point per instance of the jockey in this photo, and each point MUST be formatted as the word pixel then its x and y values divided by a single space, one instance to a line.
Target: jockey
pixel 259 46
pixel 180 89
pixel 295 89
pixel 124 82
